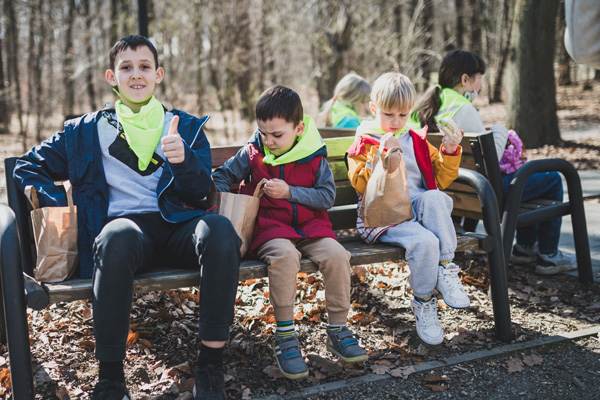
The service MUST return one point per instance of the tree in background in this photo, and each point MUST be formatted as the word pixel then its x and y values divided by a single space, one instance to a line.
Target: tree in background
pixel 531 92
pixel 219 56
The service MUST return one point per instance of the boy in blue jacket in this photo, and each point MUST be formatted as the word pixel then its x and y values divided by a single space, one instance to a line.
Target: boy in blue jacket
pixel 138 174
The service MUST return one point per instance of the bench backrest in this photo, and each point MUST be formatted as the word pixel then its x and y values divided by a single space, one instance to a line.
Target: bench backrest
pixel 479 154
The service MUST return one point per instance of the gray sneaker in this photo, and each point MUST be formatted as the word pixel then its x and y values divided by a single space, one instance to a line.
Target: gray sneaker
pixel 289 357
pixel 553 265
pixel 343 344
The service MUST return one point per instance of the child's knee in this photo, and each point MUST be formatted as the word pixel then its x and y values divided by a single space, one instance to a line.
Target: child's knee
pixel 120 233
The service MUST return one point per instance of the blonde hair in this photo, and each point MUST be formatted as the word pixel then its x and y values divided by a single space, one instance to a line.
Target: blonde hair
pixel 393 90
pixel 351 90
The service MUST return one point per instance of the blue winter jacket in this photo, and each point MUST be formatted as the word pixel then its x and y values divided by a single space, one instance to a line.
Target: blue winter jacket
pixel 74 154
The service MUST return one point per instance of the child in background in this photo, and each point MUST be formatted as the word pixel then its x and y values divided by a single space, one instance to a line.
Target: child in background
pixel 350 97
pixel 429 238
pixel 292 221
pixel 459 82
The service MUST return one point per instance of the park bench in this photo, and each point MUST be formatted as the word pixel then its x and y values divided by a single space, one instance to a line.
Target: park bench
pixel 19 290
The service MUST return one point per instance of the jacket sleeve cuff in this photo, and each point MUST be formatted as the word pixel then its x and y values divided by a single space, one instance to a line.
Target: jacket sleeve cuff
pixel 457 152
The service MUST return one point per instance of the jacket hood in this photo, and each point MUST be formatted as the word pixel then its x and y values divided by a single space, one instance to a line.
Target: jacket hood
pixel 308 145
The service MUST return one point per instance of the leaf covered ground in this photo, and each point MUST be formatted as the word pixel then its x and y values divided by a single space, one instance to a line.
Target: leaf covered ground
pixel 164 325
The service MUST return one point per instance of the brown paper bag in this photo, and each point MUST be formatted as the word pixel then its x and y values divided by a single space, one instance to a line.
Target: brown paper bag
pixel 241 210
pixel 55 234
pixel 386 200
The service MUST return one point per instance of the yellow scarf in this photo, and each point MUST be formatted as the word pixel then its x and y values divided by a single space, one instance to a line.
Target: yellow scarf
pixel 143 129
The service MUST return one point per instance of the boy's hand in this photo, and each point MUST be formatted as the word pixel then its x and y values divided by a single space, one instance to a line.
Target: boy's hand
pixel 277 189
pixel 172 145
pixel 389 140
pixel 449 145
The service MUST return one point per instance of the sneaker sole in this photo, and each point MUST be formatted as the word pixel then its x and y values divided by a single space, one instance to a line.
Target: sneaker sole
pixel 364 357
pixel 430 343
pixel 543 270
pixel 522 260
pixel 452 305
pixel 291 376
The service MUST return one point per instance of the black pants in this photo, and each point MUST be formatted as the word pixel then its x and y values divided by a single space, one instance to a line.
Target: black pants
pixel 136 243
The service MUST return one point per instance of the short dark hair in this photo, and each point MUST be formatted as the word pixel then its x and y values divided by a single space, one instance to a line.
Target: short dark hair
pixel 279 102
pixel 131 42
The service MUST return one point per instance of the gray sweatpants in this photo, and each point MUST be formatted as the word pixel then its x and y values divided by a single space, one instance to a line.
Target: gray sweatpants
pixel 428 239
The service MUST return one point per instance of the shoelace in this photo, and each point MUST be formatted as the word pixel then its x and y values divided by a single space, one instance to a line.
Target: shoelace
pixel 427 318
pixel 450 276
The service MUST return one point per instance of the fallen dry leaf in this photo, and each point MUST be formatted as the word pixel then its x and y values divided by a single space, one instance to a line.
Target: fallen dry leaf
pixel 87 344
pixel 437 388
pixel 532 360
pixel 5 378
pixel 62 393
pixel 132 338
pixel 246 394
pixel 402 372
pixel 379 369
pixel 435 379
pixel 514 365
pixel 273 371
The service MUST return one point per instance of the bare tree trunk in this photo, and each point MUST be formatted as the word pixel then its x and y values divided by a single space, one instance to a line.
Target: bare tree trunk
pixel 89 73
pixel 597 75
pixel 33 18
pixel 475 37
pixel 427 18
pixel 37 71
pixel 504 50
pixel 398 29
pixel 113 32
pixel 12 39
pixel 531 103
pixel 564 60
pixel 460 22
pixel 199 37
pixel 244 59
pixel 4 110
pixel 339 41
pixel 67 67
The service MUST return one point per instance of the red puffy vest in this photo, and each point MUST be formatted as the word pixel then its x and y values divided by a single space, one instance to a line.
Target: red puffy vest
pixel 280 218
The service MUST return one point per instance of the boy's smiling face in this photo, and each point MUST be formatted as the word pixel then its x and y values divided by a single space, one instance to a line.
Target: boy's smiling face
pixel 279 135
pixel 390 120
pixel 135 76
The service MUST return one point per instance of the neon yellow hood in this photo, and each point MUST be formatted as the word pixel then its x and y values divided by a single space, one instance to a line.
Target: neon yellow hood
pixel 306 144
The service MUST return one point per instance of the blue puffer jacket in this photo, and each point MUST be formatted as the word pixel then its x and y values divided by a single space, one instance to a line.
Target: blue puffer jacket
pixel 74 154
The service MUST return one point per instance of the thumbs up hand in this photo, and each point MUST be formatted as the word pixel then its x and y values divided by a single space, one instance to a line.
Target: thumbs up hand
pixel 172 145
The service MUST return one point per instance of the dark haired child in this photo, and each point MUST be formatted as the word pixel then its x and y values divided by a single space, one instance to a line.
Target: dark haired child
pixel 292 221
pixel 459 81
pixel 138 174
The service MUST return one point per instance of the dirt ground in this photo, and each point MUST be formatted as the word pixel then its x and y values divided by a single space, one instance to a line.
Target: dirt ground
pixel 162 341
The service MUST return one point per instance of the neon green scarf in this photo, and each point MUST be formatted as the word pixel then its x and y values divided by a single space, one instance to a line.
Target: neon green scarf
pixel 307 143
pixel 372 126
pixel 339 111
pixel 143 129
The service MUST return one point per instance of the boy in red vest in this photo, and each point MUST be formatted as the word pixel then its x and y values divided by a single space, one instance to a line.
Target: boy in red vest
pixel 292 221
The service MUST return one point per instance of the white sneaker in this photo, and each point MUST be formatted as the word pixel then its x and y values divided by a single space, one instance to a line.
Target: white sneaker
pixel 553 265
pixel 523 256
pixel 428 325
pixel 448 284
